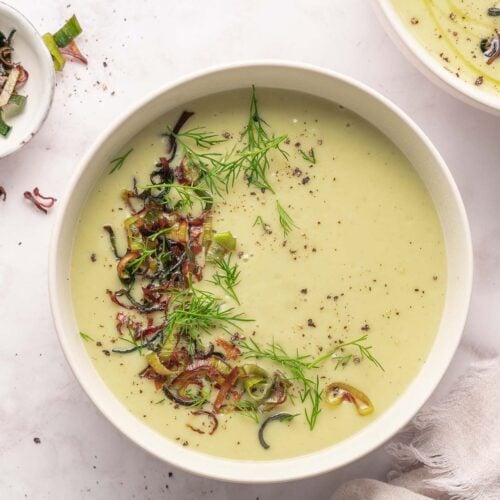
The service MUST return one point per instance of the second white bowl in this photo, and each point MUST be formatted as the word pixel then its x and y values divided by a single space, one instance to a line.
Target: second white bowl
pixel 429 65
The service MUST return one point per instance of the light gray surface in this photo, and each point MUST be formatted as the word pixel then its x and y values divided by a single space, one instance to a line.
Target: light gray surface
pixel 145 45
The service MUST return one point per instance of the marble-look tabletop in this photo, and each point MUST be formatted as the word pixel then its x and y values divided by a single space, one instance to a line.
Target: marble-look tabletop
pixel 133 48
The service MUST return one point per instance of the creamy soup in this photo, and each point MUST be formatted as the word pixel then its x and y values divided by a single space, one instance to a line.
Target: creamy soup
pixel 346 248
pixel 461 34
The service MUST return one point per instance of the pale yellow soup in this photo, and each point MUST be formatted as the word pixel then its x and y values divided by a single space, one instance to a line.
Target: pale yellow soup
pixel 368 248
pixel 452 30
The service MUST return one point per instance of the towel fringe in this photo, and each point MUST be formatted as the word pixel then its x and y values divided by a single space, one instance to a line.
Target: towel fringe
pixel 421 443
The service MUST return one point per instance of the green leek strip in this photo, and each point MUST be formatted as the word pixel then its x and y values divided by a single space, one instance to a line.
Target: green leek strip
pixel 338 392
pixel 226 240
pixel 133 234
pixel 19 101
pixel 155 363
pixel 258 389
pixel 4 128
pixel 280 417
pixel 257 383
pixel 220 365
pixel 207 231
pixel 167 348
pixel 68 32
pixel 57 57
pixel 222 243
pixel 179 232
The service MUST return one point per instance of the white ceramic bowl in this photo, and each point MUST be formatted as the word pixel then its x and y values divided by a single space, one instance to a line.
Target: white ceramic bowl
pixel 377 110
pixel 474 95
pixel 31 52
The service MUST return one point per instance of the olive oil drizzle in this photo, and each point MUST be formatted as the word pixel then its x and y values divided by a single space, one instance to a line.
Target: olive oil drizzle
pixel 429 6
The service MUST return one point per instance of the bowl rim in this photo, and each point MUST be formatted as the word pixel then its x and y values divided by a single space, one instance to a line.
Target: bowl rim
pixel 427 64
pixel 248 471
pixel 34 39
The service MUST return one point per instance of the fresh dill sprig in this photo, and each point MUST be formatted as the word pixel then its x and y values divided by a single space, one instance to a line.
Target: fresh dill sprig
pixel 138 346
pixel 188 195
pixel 119 161
pixel 274 352
pixel 252 160
pixel 308 156
pixel 364 352
pixel 217 170
pixel 257 138
pixel 314 394
pixel 260 221
pixel 248 409
pixel 148 248
pixel 199 398
pixel 297 365
pixel 253 163
pixel 196 311
pixel 227 276
pixel 342 360
pixel 199 135
pixel 135 264
pixel 158 233
pixel 86 337
pixel 286 221
pixel 208 165
pixel 289 418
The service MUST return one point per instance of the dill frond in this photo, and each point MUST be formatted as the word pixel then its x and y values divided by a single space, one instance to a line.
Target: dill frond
pixel 286 221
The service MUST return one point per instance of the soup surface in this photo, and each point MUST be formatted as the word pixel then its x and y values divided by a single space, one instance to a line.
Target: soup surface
pixel 462 35
pixel 358 256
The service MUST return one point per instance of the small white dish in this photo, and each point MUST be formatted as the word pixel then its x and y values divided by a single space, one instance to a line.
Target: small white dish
pixel 31 52
pixel 378 111
pixel 424 61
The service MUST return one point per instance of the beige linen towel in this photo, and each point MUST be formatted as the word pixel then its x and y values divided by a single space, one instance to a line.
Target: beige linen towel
pixel 448 451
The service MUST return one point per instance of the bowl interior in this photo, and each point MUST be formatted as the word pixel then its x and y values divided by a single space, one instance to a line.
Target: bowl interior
pixel 429 65
pixel 30 51
pixel 389 120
